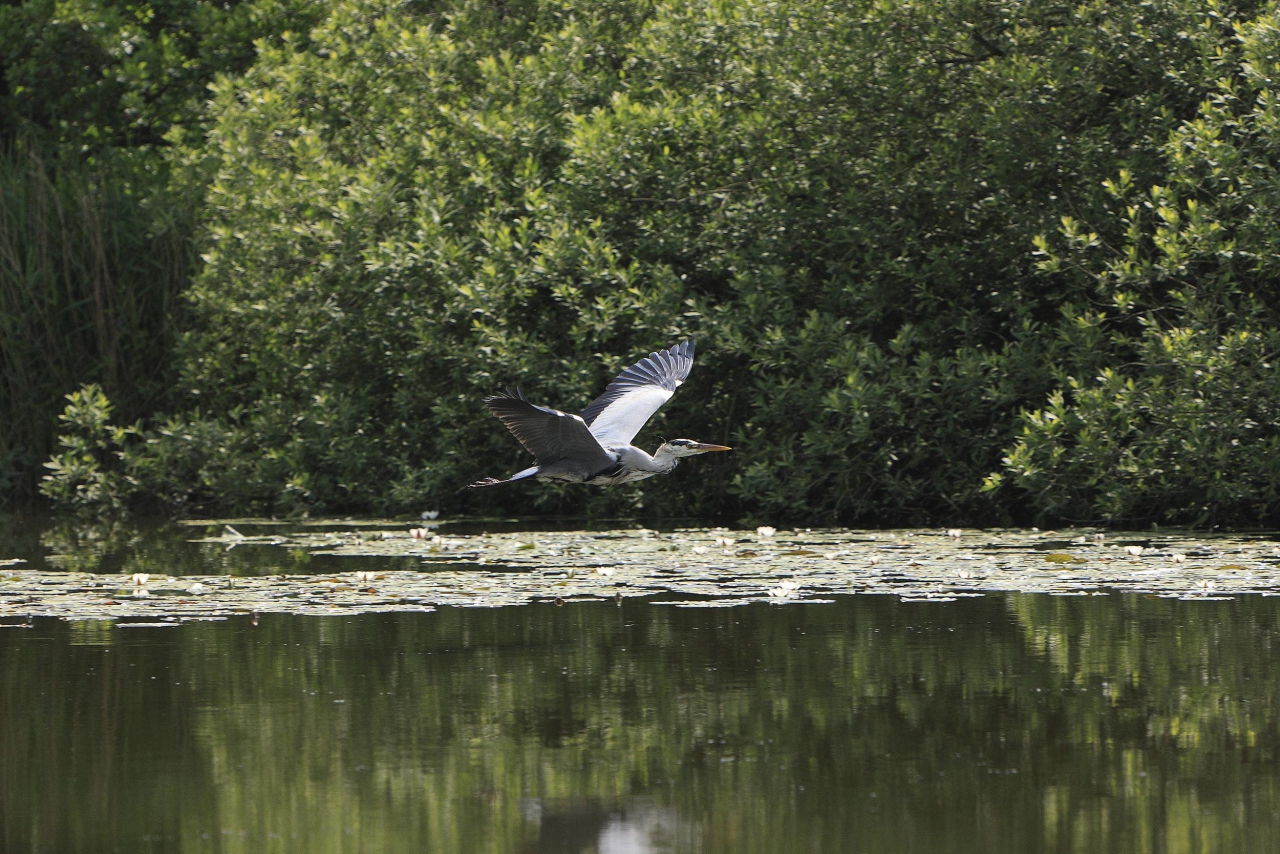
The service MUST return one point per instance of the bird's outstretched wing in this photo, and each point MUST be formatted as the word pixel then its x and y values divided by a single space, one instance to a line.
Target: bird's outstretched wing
pixel 549 434
pixel 616 416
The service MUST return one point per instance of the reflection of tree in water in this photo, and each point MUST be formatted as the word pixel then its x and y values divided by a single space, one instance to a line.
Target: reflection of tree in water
pixel 127 545
pixel 103 545
pixel 1003 724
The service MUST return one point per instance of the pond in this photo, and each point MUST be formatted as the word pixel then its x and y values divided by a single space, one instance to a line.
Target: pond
pixel 962 693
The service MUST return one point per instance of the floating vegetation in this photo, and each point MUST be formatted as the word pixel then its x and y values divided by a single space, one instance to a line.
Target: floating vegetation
pixel 419 570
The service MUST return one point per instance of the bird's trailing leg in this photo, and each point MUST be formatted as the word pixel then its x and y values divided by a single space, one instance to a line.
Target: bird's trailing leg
pixel 487 481
pixel 493 481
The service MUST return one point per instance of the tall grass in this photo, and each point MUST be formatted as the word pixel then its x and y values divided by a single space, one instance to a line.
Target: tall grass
pixel 93 258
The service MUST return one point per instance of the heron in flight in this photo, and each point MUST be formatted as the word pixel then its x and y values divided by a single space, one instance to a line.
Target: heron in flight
pixel 595 447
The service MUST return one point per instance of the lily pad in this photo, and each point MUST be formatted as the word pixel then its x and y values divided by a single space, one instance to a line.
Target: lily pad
pixel 395 568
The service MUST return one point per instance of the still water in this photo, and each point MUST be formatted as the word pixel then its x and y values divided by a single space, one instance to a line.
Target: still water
pixel 1009 722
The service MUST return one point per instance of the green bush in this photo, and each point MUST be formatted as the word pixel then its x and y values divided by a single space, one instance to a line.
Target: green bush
pixel 1166 403
pixel 86 474
pixel 841 203
pixel 95 223
pixel 978 261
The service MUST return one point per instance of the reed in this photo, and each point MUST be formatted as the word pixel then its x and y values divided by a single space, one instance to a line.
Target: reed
pixel 93 259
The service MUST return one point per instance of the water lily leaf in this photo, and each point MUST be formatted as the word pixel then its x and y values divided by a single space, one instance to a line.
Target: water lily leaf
pixel 486 570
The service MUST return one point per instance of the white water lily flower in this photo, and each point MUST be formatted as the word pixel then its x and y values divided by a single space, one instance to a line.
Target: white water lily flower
pixel 365 575
pixel 196 589
pixel 1179 558
pixel 604 571
pixel 954 533
pixel 875 560
pixel 766 531
pixel 963 573
pixel 1134 550
pixel 140 578
pixel 786 589
pixel 699 550
pixel 725 542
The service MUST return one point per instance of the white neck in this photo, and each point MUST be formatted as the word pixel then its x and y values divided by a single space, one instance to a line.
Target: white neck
pixel 661 462
pixel 664 460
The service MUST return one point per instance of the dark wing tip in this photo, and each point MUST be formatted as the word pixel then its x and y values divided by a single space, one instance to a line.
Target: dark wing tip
pixel 509 393
pixel 665 369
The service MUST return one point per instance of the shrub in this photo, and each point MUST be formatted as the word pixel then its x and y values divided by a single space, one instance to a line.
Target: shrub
pixel 87 473
pixel 840 203
pixel 1166 404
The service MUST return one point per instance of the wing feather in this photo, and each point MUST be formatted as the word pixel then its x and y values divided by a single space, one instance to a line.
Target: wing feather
pixel 549 434
pixel 616 416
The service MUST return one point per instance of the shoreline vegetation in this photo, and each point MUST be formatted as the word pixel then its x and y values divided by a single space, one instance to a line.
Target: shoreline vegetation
pixel 979 263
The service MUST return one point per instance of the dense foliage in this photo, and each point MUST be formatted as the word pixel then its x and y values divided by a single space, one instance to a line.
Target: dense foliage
pixel 95 226
pixel 968 261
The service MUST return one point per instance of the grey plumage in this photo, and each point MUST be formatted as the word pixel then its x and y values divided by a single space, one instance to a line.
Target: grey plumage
pixel 595 447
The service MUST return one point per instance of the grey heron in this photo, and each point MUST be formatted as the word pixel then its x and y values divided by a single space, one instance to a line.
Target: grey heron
pixel 595 447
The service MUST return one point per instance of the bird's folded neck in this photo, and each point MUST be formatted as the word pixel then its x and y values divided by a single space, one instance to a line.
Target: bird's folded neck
pixel 664 460
pixel 634 458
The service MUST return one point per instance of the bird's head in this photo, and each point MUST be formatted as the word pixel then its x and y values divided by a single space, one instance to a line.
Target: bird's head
pixel 689 448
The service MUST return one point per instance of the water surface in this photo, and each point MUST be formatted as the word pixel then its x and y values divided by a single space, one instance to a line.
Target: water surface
pixel 1015 723
pixel 1001 722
